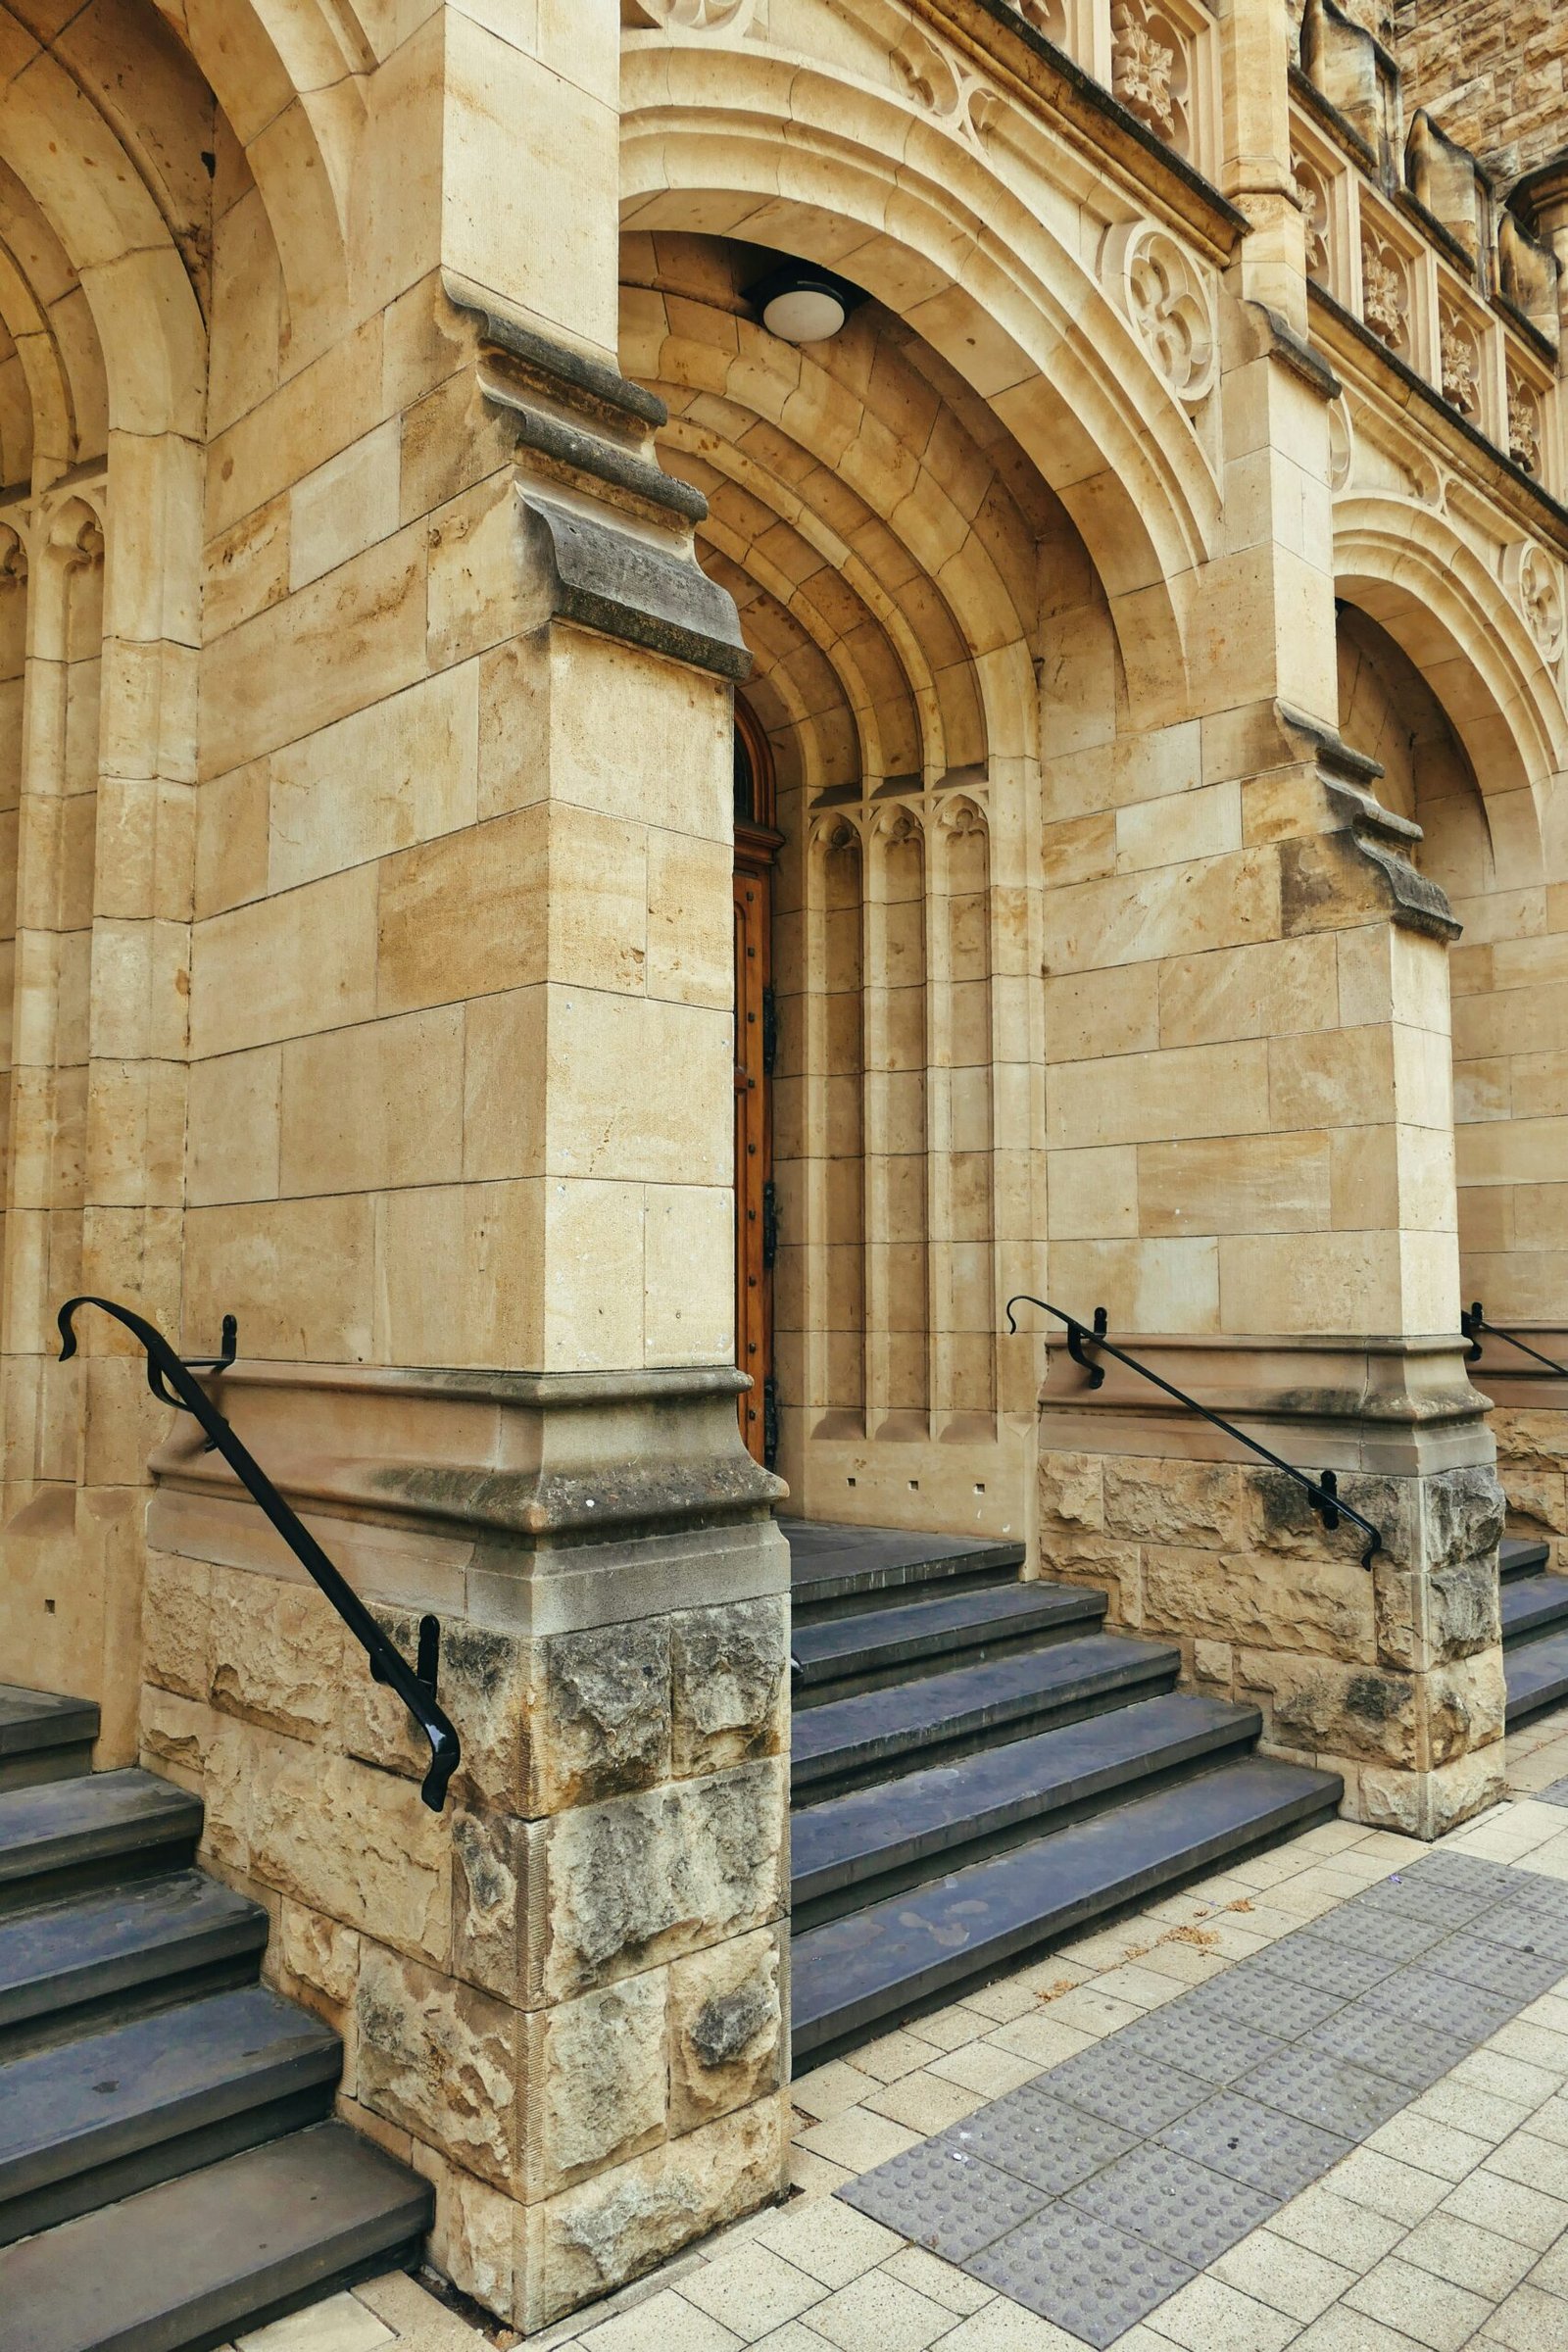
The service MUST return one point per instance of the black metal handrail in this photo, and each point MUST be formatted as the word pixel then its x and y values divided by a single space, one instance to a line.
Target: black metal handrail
pixel 1473 1322
pixel 172 1381
pixel 1323 1492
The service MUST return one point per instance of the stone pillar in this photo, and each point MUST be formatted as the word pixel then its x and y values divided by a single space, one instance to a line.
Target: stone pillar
pixel 1251 1121
pixel 461 1115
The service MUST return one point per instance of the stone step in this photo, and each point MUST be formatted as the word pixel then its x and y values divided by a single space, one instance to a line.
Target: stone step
pixel 879 1734
pixel 1532 1606
pixel 840 1656
pixel 884 1962
pixel 836 1569
pixel 1522 1555
pixel 1537 1676
pixel 44 1737
pixel 858 1849
pixel 96 2120
pixel 70 1967
pixel 62 1836
pixel 232 2247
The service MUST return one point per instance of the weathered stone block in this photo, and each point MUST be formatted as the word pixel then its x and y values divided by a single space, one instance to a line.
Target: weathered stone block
pixel 1462 1607
pixel 176 1734
pixel 602 1720
pixel 1173 1502
pixel 601 2078
pixel 1466 1704
pixel 278 1652
pixel 1464 1514
pixel 442 2061
pixel 1116 1568
pixel 730 1683
pixel 1322 1706
pixel 1531 1441
pixel 176 1624
pixel 1071 1493
pixel 591 2239
pixel 490 1854
pixel 485 1685
pixel 477 2235
pixel 1428 1804
pixel 727 2027
pixel 319 1953
pixel 623 1886
pixel 1263 1603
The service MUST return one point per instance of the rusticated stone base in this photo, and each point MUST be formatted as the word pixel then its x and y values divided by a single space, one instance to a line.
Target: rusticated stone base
pixel 564 1999
pixel 1530 1422
pixel 1391 1677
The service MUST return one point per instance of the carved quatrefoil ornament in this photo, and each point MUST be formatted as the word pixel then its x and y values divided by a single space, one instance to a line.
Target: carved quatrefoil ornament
pixel 697 15
pixel 1536 585
pixel 1162 292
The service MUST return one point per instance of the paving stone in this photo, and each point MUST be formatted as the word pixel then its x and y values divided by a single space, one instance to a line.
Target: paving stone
pixel 1517 1976
pixel 1333 2092
pixel 1183 2208
pixel 943 2281
pixel 1214 2051
pixel 1509 2208
pixel 1355 2235
pixel 1288 2277
pixel 1467 2256
pixel 1368 1927
pixel 751 2289
pixel 1040 2139
pixel 1531 2321
pixel 1270 2005
pixel 1415 2055
pixel 1094 2280
pixel 1324 1967
pixel 1210 2317
pixel 1447 2004
pixel 1122 2086
pixel 1526 1928
pixel 1430 2310
pixel 1461 1870
pixel 943 2198
pixel 1274 2152
pixel 879 2314
pixel 1556 1795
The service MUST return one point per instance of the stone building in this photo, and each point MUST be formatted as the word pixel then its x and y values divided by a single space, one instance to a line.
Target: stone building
pixel 692 683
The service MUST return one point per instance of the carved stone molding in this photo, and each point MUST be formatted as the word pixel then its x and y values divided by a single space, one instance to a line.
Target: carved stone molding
pixel 13 556
pixel 1342 445
pixel 1460 364
pixel 1385 292
pixel 1534 583
pixel 1312 189
pixel 1151 70
pixel 698 16
pixel 1524 426
pixel 1167 301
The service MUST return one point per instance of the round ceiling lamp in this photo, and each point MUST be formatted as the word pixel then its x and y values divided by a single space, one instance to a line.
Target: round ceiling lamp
pixel 803 305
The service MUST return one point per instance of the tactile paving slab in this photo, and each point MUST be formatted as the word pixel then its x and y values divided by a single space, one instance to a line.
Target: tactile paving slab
pixel 1098 2188
pixel 1094 2280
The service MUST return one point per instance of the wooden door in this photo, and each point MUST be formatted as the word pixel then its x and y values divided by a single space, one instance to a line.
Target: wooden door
pixel 757 845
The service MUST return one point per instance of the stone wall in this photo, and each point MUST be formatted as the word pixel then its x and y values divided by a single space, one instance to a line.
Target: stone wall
pixel 1494 73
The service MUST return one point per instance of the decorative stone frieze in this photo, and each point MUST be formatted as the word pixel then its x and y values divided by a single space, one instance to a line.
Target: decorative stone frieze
pixel 1316 213
pixel 1385 291
pixel 1524 426
pixel 1459 358
pixel 1149 70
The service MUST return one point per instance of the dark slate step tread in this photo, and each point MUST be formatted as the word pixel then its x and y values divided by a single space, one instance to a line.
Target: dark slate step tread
pixel 137 2087
pixel 100 1817
pixel 880 1639
pixel 1522 1555
pixel 1071 1677
pixel 33 1719
pixel 848 1841
pixel 63 1954
pixel 1533 1604
pixel 201 2260
pixel 851 1973
pixel 833 1563
pixel 1537 1676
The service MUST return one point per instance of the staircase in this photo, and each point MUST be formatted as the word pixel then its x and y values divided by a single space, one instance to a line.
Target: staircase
pixel 1535 1631
pixel 169 2171
pixel 980 1769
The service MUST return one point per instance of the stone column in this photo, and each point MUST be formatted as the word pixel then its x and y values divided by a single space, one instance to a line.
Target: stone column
pixel 1251 1121
pixel 461 1165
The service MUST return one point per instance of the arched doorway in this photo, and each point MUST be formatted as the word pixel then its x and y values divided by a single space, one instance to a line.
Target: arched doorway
pixel 756 846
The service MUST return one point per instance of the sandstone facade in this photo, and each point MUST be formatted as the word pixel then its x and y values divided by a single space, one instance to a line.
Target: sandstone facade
pixel 1150 609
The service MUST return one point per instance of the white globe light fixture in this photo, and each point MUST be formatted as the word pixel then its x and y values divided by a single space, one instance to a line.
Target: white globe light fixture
pixel 803 305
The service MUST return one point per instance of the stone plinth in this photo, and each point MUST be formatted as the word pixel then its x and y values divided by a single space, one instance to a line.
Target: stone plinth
pixel 565 1998
pixel 1392 1674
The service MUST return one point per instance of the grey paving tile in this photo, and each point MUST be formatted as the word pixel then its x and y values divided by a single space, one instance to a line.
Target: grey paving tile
pixel 1373 1928
pixel 1303 1959
pixel 1526 1928
pixel 1556 1795
pixel 1417 1896
pixel 1335 2094
pixel 1123 2086
pixel 1215 2051
pixel 1415 2055
pixel 1181 2207
pixel 1040 2139
pixel 944 2199
pixel 1092 2279
pixel 1277 2153
pixel 1518 1976
pixel 1463 1870
pixel 1269 2004
pixel 1425 1997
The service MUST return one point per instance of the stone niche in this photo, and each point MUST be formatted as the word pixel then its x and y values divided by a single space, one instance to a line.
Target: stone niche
pixel 565 1998
pixel 1390 1676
